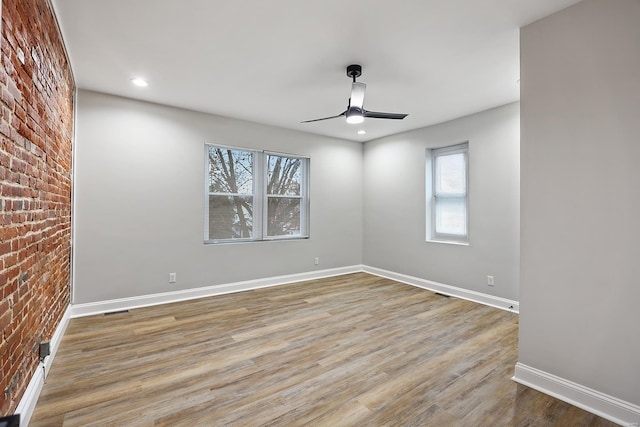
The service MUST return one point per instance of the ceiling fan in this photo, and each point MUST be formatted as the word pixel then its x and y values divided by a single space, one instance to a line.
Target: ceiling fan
pixel 355 112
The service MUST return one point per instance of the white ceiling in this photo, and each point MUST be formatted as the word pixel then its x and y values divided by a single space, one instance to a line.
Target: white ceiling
pixel 280 62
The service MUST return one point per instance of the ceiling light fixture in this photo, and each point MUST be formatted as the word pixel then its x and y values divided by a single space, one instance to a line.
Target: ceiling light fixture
pixel 354 115
pixel 137 81
pixel 362 132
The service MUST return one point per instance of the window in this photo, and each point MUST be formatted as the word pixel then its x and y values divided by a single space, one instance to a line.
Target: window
pixel 284 195
pixel 255 195
pixel 448 194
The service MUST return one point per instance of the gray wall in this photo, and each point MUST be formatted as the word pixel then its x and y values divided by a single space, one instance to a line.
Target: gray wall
pixel 139 201
pixel 580 263
pixel 394 204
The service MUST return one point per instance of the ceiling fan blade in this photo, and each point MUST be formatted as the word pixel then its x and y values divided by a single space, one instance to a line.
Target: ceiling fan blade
pixel 357 94
pixel 326 118
pixel 378 115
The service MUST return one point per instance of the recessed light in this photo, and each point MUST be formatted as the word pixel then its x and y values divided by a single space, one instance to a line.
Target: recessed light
pixel 362 132
pixel 139 82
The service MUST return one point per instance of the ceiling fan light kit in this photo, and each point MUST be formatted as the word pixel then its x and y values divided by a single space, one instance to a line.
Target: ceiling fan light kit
pixel 355 112
pixel 354 116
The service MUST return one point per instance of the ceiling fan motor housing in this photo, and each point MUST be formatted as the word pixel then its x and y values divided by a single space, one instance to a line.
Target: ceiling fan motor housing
pixel 354 71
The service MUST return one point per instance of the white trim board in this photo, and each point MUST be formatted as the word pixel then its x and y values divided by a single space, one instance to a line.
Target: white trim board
pixel 100 307
pixel 485 299
pixel 27 404
pixel 603 405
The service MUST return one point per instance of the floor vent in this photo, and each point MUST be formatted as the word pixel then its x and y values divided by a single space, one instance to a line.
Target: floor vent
pixel 116 312
pixel 443 295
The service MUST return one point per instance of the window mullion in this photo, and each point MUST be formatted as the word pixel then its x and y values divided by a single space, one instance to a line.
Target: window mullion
pixel 259 190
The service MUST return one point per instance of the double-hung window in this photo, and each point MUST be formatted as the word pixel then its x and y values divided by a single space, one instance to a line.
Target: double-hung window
pixel 255 195
pixel 449 194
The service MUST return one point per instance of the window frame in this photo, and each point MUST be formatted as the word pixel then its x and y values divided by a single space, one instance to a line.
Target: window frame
pixel 260 218
pixel 433 154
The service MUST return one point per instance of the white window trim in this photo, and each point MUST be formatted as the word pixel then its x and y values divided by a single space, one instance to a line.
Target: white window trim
pixel 432 235
pixel 260 216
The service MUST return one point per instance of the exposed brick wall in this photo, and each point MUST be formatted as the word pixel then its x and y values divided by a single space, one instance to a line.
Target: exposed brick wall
pixel 36 123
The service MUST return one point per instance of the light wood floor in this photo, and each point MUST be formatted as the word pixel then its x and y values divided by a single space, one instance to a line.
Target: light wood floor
pixel 353 350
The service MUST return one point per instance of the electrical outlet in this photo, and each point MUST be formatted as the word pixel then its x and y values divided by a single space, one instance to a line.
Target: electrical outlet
pixel 316 260
pixel 172 277
pixel 45 350
pixel 490 280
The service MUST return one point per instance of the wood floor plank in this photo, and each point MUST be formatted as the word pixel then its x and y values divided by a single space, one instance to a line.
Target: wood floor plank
pixel 352 350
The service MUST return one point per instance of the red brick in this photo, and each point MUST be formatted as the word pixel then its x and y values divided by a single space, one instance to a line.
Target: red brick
pixel 36 118
pixel 5 319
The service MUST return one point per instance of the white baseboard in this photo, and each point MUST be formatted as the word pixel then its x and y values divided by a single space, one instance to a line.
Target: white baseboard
pixel 81 310
pixel 100 307
pixel 30 397
pixel 486 299
pixel 603 405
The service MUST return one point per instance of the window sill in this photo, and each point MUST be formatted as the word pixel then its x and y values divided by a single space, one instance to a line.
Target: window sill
pixel 240 241
pixel 448 242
